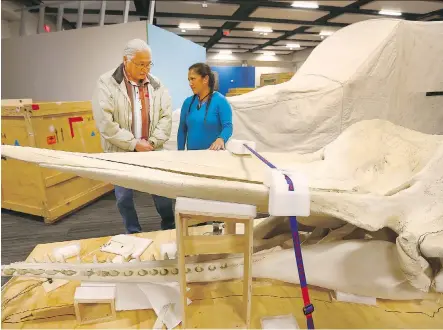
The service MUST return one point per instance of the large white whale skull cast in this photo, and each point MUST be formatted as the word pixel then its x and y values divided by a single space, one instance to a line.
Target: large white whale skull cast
pixel 376 182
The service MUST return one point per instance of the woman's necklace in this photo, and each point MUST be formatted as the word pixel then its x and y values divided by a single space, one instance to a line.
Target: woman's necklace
pixel 199 105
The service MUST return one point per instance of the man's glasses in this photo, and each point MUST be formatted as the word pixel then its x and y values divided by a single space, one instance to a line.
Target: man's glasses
pixel 143 66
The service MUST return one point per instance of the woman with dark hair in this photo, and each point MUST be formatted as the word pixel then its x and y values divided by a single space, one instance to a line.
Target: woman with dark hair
pixel 206 117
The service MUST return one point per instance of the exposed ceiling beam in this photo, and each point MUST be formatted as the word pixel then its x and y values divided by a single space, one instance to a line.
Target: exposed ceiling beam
pixel 246 19
pixel 332 9
pixel 322 21
pixel 433 15
pixel 96 23
pixel 232 29
pixel 51 10
pixel 142 6
pixel 184 35
pixel 288 5
pixel 241 13
pixel 31 3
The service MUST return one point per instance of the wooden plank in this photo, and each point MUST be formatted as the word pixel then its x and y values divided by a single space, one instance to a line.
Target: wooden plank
pixel 200 218
pixel 230 227
pixel 247 273
pixel 181 233
pixel 22 187
pixel 46 192
pixel 23 208
pixel 58 108
pixel 57 178
pixel 80 200
pixel 195 245
pixel 15 102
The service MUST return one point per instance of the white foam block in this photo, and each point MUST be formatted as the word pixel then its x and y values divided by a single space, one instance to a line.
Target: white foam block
pixel 279 322
pixel 215 208
pixel 126 245
pixel 169 248
pixel 283 202
pixel 65 252
pixel 352 298
pixel 94 293
pixel 237 147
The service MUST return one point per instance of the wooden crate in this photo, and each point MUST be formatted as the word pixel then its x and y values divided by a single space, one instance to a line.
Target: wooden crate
pixel 275 78
pixel 31 189
pixel 239 91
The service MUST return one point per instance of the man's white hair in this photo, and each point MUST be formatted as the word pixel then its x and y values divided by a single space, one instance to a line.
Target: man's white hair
pixel 134 46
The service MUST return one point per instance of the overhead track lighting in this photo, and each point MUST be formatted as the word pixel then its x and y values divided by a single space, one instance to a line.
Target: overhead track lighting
pixel 326 33
pixel 262 29
pixel 293 46
pixel 189 26
pixel 389 12
pixel 226 52
pixel 305 4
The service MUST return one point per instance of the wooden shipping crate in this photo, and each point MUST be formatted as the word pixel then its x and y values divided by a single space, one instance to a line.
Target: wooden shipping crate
pixel 31 189
pixel 239 91
pixel 275 78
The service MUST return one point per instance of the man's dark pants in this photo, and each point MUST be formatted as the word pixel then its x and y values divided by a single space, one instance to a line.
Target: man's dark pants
pixel 125 204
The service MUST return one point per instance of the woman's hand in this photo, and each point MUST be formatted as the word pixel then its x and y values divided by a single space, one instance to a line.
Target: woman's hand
pixel 219 144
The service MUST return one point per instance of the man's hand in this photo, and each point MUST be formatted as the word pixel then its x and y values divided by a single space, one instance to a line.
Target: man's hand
pixel 143 145
pixel 219 144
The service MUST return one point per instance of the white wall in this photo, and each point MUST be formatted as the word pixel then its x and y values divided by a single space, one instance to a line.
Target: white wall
pixel 63 66
pixel 6 32
pixel 172 56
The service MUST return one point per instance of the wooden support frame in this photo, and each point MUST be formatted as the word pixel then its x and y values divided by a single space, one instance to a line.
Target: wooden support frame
pixel 230 242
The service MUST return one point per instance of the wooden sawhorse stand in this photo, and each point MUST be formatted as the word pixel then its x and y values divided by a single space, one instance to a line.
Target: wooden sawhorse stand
pixel 190 212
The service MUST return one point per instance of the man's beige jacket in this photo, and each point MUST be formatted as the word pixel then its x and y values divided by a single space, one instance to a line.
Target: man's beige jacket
pixel 112 112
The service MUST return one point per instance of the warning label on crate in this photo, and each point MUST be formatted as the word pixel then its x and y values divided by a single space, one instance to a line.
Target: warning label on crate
pixel 51 139
pixel 93 133
pixel 16 143
pixel 73 120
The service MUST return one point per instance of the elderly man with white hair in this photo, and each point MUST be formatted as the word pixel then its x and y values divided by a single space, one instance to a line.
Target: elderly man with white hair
pixel 132 111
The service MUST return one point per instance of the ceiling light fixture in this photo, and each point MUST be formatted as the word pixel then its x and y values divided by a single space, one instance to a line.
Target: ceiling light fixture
pixel 269 53
pixel 189 26
pixel 262 29
pixel 326 33
pixel 183 30
pixel 293 46
pixel 305 4
pixel 204 5
pixel 389 12
pixel 225 52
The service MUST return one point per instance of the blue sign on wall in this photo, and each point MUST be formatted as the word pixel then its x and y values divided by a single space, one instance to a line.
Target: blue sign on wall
pixel 235 77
